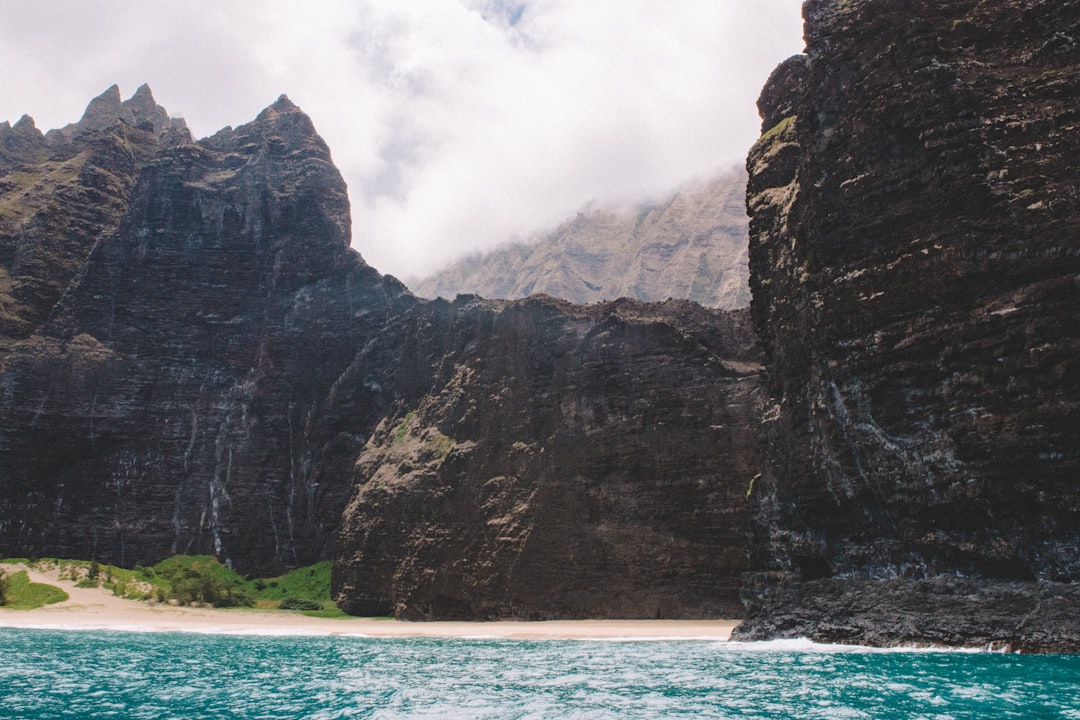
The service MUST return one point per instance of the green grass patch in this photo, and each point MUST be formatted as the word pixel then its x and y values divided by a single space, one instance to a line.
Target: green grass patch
pixel 403 428
pixel 779 128
pixel 21 594
pixel 332 612
pixel 306 589
pixel 306 583
pixel 200 580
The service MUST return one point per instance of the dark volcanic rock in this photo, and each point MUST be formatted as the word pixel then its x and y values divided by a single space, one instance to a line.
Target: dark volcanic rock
pixel 916 283
pixel 192 360
pixel 20 143
pixel 1020 616
pixel 139 111
pixel 190 372
pixel 62 192
pixel 568 462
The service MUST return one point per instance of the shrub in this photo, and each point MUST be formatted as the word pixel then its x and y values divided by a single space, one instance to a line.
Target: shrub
pixel 202 579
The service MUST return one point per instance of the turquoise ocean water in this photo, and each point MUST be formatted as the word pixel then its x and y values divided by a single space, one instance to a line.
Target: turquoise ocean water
pixel 97 674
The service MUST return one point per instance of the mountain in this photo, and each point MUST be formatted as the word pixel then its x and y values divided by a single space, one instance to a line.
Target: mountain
pixel 693 247
pixel 193 360
pixel 883 449
pixel 176 316
pixel 915 269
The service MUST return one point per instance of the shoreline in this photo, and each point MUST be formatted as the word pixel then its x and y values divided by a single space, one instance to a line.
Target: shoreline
pixel 99 609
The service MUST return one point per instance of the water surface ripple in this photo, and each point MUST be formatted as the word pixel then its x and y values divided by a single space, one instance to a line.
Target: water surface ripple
pixel 99 674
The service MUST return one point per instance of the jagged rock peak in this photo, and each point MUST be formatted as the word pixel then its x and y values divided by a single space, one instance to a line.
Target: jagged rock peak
pixel 140 110
pixel 24 128
pixel 26 125
pixel 284 104
pixel 283 123
pixel 104 108
pixel 281 127
pixel 20 142
pixel 283 110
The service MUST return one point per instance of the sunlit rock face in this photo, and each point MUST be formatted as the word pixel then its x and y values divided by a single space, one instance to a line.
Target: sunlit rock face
pixel 183 364
pixel 916 286
pixel 567 462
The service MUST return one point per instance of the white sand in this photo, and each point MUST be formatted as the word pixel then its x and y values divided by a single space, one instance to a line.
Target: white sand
pixel 97 608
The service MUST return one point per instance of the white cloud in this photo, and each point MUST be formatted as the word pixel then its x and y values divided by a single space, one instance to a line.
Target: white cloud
pixel 457 123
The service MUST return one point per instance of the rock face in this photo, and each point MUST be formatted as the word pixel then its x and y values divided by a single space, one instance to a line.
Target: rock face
pixel 58 195
pixel 916 287
pixel 568 462
pixel 192 360
pixel 691 247
pixel 184 365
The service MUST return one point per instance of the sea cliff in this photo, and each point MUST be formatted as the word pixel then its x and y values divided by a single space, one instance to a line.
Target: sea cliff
pixel 916 276
pixel 193 360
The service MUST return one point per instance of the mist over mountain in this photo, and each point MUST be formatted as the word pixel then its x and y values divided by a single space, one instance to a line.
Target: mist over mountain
pixel 693 246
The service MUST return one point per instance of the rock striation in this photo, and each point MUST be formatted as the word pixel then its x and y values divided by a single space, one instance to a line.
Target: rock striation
pixel 567 462
pixel 692 247
pixel 916 288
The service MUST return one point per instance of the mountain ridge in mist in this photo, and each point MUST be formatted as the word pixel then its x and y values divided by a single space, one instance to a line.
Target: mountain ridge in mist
pixel 692 246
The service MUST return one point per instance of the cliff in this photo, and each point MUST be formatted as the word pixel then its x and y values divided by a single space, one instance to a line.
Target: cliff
pixel 193 360
pixel 915 278
pixel 692 247
pixel 183 365
pixel 567 462
pixel 60 192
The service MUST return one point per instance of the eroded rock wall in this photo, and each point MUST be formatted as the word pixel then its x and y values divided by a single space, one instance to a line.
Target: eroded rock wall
pixel 193 355
pixel 915 270
pixel 192 360
pixel 568 462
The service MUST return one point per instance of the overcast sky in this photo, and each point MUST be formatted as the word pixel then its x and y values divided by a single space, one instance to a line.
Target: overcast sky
pixel 456 123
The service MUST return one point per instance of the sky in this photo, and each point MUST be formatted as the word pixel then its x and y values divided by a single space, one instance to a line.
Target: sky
pixel 457 124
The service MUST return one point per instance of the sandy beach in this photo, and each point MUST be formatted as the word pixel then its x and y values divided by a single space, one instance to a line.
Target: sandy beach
pixel 97 608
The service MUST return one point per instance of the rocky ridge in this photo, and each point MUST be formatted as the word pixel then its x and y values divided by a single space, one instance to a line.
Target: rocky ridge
pixel 915 278
pixel 62 190
pixel 174 377
pixel 692 247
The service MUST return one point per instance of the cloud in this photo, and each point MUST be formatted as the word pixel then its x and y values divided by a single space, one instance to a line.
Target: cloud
pixel 456 123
